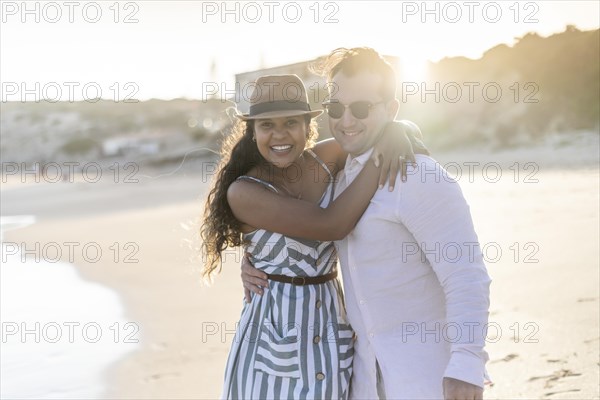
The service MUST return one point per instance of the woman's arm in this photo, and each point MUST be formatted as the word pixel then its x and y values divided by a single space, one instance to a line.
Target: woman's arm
pixel 255 205
pixel 395 147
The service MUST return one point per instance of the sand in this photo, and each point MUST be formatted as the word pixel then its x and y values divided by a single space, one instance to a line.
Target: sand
pixel 547 311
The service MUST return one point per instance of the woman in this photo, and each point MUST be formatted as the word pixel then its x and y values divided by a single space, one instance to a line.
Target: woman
pixel 270 195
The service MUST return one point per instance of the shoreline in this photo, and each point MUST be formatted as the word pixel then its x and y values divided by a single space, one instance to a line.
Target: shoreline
pixel 160 281
pixel 66 345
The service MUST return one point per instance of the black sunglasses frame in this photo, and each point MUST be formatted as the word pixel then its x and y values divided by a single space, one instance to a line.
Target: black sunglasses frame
pixel 356 113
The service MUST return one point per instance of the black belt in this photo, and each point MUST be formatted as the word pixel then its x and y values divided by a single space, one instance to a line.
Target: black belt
pixel 303 280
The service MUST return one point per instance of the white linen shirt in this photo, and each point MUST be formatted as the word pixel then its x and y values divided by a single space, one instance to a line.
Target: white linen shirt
pixel 416 286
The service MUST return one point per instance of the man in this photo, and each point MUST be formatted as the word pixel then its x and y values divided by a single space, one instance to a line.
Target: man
pixel 416 287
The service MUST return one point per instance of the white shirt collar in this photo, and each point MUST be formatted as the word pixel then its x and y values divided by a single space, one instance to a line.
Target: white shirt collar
pixel 361 159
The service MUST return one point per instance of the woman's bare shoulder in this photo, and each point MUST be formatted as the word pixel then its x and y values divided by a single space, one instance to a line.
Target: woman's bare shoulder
pixel 330 152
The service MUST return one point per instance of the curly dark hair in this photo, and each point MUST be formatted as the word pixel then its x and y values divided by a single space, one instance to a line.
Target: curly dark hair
pixel 239 154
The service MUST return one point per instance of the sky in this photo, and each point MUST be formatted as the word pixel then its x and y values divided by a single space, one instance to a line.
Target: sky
pixel 74 50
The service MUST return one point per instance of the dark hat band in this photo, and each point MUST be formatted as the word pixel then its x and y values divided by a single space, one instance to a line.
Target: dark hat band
pixel 280 105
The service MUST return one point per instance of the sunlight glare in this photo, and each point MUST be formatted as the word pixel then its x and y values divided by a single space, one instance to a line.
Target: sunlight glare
pixel 413 68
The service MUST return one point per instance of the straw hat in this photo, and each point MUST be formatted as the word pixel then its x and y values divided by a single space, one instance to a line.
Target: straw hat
pixel 276 96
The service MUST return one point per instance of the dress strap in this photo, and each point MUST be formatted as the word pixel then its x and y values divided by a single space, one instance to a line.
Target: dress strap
pixel 264 183
pixel 331 177
pixel 312 153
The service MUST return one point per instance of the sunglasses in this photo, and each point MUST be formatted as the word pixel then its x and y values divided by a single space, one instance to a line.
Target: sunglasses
pixel 359 109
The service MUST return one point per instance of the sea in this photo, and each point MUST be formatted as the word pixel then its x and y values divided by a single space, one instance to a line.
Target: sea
pixel 60 333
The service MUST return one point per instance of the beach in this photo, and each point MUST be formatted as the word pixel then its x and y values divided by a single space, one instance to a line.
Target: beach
pixel 538 222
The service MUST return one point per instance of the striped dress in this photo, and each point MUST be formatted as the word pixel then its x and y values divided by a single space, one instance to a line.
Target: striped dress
pixel 293 342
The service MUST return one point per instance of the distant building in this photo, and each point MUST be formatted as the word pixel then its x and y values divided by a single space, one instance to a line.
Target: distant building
pixel 131 145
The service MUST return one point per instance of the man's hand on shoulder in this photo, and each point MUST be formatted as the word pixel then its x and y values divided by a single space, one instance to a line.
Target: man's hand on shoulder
pixel 455 389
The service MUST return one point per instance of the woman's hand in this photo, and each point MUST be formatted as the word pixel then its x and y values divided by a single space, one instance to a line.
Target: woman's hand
pixel 395 149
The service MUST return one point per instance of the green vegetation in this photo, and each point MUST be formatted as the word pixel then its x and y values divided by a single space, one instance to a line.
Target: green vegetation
pixel 79 146
pixel 549 84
